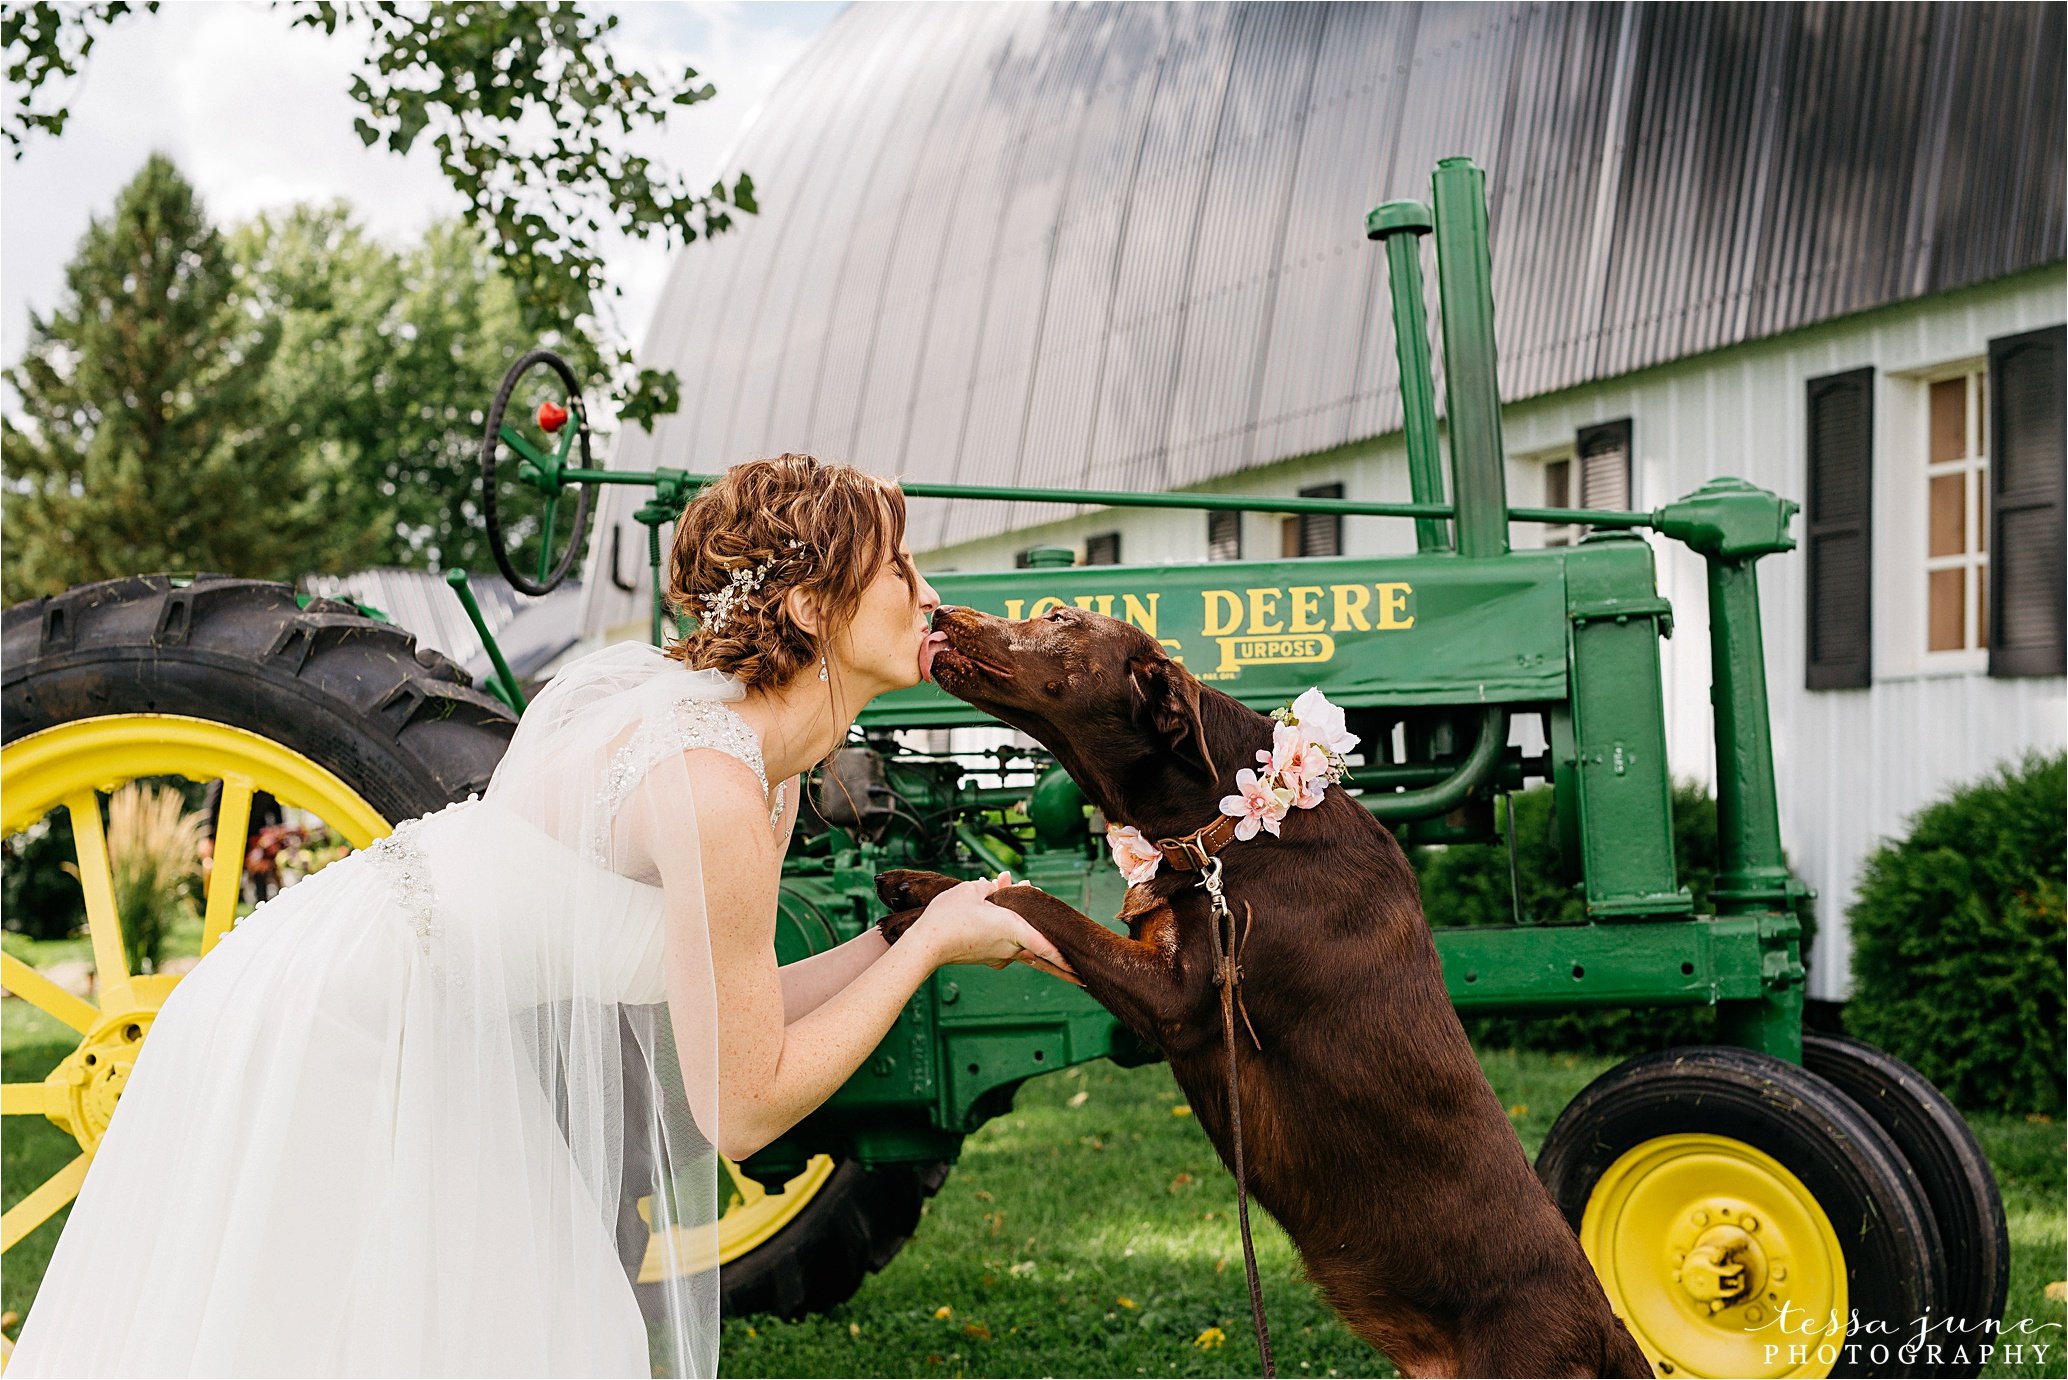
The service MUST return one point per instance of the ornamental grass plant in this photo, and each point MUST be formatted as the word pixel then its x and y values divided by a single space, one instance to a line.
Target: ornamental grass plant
pixel 154 853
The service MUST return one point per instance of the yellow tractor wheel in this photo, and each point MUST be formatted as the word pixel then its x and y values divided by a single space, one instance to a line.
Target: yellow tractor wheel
pixel 324 710
pixel 1741 1212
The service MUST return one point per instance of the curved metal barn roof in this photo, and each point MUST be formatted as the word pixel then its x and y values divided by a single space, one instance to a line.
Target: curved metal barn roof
pixel 1121 246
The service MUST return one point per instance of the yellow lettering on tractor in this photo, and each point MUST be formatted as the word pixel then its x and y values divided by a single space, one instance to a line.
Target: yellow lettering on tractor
pixel 1393 604
pixel 1351 602
pixel 1134 608
pixel 1306 605
pixel 1238 652
pixel 1268 625
pixel 1140 614
pixel 1251 630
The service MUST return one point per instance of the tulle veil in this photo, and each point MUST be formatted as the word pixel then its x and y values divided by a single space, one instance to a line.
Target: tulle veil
pixel 596 766
pixel 447 1107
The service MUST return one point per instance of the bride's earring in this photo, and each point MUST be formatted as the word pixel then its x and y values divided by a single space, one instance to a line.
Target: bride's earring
pixel 822 666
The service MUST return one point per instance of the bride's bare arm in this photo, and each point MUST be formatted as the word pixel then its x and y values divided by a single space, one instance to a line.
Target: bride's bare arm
pixel 771 1073
pixel 809 981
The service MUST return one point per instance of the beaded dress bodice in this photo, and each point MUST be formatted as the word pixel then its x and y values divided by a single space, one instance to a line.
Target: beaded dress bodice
pixel 690 724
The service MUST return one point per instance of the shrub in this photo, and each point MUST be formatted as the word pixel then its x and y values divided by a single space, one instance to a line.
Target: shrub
pixel 1957 934
pixel 37 898
pixel 1469 884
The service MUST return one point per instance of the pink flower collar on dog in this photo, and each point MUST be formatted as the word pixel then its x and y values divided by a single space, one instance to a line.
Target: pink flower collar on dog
pixel 1308 743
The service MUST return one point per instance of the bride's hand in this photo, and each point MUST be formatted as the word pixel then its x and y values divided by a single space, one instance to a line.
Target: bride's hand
pixel 961 925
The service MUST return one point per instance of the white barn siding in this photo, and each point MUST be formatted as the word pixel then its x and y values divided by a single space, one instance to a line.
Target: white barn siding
pixel 1852 764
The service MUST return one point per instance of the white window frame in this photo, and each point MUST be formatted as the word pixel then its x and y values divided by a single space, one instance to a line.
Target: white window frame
pixel 1903 543
pixel 1537 465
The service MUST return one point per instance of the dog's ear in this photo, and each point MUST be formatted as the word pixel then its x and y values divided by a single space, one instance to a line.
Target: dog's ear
pixel 1165 697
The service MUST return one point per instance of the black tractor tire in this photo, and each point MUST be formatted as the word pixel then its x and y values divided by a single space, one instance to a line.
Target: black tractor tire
pixel 1895 1264
pixel 853 1226
pixel 406 730
pixel 403 727
pixel 1955 1175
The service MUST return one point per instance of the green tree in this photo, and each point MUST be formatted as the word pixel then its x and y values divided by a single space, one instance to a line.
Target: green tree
pixel 532 120
pixel 387 363
pixel 143 440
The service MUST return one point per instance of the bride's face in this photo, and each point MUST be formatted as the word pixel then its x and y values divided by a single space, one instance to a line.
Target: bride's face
pixel 879 650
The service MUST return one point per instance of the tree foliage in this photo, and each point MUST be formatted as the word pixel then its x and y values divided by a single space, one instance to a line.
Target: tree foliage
pixel 532 119
pixel 387 363
pixel 357 382
pixel 47 42
pixel 143 441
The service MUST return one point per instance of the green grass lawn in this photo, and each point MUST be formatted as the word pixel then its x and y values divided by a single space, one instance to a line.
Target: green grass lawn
pixel 1100 1239
pixel 182 938
pixel 1092 1232
pixel 31 1149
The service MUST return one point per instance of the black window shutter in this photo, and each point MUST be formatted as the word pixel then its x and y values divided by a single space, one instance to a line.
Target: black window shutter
pixel 2028 467
pixel 1103 549
pixel 1840 546
pixel 1223 535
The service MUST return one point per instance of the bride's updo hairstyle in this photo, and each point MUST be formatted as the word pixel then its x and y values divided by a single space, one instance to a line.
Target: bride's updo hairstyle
pixel 845 524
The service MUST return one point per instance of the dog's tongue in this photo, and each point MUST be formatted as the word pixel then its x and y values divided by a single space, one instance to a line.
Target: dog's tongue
pixel 934 642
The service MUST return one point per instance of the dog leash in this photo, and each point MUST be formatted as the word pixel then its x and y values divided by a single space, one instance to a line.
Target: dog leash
pixel 1228 977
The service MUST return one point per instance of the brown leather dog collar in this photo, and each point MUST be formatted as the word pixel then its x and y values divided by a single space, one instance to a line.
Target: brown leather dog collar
pixel 1189 853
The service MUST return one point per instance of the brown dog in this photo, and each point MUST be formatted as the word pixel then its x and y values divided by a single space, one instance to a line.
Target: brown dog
pixel 1369 1131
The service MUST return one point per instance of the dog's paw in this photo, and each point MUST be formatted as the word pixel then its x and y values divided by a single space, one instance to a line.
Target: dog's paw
pixel 905 888
pixel 894 926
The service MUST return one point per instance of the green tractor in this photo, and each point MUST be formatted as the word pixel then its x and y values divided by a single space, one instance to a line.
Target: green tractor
pixel 1711 1186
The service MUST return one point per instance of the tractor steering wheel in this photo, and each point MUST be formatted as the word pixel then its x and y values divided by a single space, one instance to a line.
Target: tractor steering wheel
pixel 542 469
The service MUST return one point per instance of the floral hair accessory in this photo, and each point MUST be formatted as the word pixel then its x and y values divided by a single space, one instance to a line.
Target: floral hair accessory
pixel 742 582
pixel 1309 741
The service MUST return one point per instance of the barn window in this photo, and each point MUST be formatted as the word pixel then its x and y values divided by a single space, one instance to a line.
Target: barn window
pixel 1315 534
pixel 1594 474
pixel 1956 490
pixel 1603 465
pixel 1103 549
pixel 1558 493
pixel 1838 544
pixel 1224 535
pixel 2026 491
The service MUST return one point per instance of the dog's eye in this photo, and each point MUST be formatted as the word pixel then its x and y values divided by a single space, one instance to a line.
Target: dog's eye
pixel 1057 616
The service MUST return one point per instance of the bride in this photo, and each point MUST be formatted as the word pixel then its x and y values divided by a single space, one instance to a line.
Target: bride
pixel 424 1113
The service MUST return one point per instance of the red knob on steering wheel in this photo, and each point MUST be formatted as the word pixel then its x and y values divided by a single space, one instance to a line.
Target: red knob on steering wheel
pixel 539 467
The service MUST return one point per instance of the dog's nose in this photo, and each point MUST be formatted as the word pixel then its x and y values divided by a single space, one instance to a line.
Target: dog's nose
pixel 946 613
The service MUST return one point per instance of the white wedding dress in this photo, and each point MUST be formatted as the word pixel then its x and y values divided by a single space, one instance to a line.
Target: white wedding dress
pixel 430 1112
